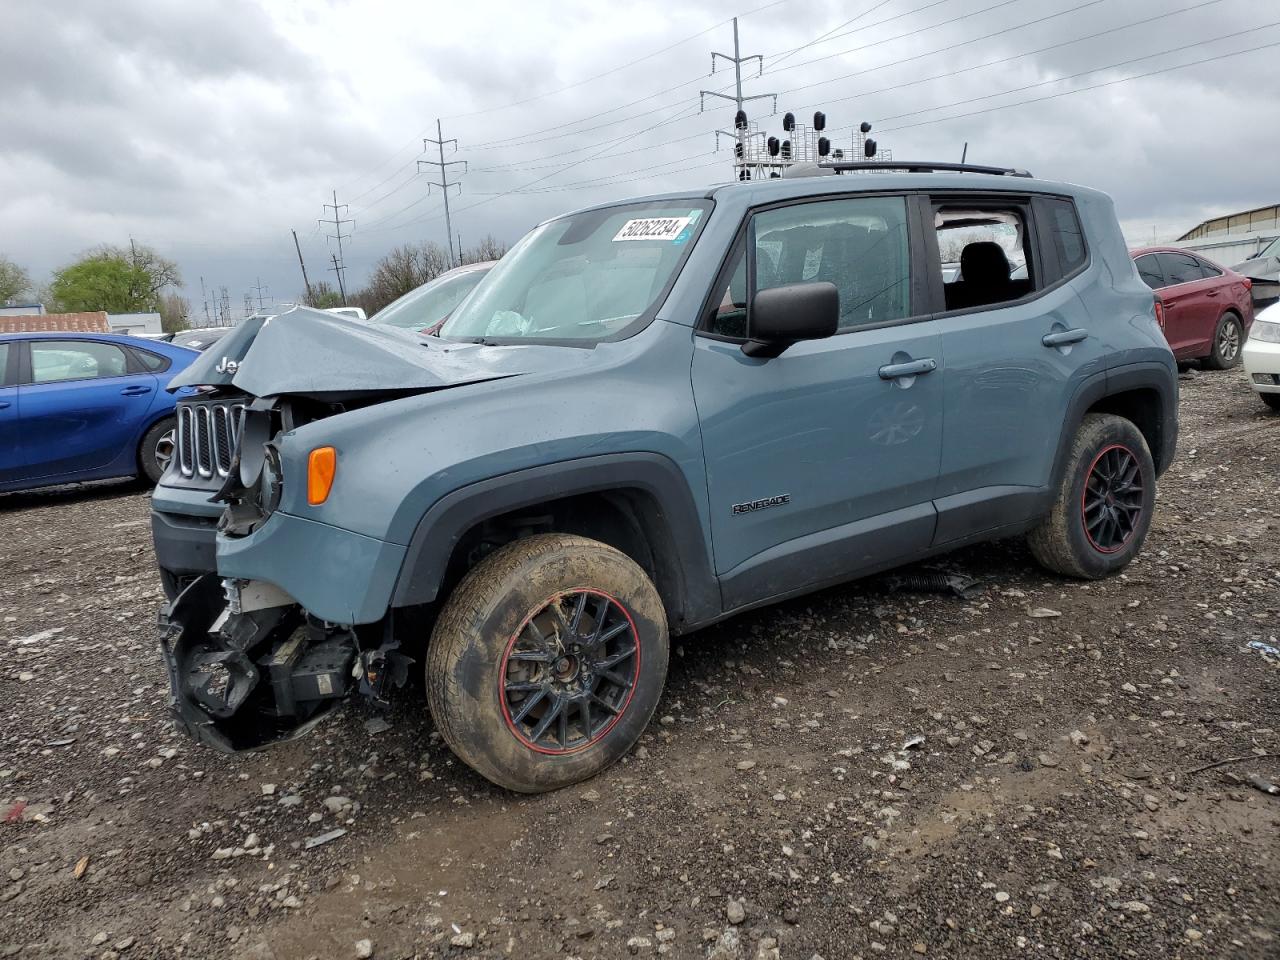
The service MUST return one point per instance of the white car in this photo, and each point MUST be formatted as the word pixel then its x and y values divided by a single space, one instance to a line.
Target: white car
pixel 1262 356
pixel 355 313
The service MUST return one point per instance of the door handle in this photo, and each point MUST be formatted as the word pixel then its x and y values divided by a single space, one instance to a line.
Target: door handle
pixel 135 391
pixel 4 404
pixel 912 368
pixel 1064 338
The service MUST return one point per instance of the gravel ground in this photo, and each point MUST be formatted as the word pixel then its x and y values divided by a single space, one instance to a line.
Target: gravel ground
pixel 864 772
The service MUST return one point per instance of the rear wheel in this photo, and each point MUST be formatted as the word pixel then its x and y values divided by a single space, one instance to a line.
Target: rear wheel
pixel 547 661
pixel 155 452
pixel 1226 343
pixel 1104 501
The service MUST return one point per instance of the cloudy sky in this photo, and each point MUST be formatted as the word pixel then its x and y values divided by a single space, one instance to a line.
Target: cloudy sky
pixel 212 129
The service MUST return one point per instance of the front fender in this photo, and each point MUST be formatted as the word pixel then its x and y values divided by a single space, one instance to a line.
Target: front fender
pixel 696 591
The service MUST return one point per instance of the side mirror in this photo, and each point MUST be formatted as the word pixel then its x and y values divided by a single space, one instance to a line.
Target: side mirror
pixel 781 316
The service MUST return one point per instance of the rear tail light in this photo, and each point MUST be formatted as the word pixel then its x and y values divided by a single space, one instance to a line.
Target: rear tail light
pixel 1160 314
pixel 1248 284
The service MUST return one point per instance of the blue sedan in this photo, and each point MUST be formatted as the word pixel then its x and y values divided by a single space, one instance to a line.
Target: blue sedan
pixel 85 406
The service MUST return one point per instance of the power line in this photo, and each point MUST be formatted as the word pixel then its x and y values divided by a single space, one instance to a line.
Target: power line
pixel 1083 73
pixel 988 63
pixel 898 36
pixel 1108 83
pixel 550 93
pixel 824 36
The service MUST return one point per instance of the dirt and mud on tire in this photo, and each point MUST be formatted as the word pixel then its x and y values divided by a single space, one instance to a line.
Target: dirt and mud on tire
pixel 547 662
pixel 1102 510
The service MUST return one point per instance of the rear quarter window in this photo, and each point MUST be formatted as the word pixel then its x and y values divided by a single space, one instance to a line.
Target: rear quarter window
pixel 1060 229
pixel 151 362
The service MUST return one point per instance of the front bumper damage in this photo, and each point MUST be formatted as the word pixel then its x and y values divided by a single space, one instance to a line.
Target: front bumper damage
pixel 249 669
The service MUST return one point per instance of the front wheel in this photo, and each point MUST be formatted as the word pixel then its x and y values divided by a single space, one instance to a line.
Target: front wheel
pixel 1272 400
pixel 547 662
pixel 1226 343
pixel 156 450
pixel 1102 511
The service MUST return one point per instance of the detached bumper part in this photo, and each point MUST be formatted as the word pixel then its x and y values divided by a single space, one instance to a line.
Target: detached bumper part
pixel 252 678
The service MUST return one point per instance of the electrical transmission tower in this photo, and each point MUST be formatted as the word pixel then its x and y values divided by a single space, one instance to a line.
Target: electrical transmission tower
pixel 338 263
pixel 740 128
pixel 443 183
pixel 260 288
pixel 338 268
pixel 205 297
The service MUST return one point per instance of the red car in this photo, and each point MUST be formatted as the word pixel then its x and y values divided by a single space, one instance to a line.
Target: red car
pixel 1205 310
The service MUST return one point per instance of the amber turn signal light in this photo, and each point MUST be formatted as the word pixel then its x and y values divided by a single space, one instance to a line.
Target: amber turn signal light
pixel 321 466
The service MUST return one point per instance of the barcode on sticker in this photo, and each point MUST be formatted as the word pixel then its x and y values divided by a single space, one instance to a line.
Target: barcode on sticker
pixel 652 228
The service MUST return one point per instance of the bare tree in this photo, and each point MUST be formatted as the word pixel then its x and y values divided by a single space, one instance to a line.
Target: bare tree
pixel 487 249
pixel 175 312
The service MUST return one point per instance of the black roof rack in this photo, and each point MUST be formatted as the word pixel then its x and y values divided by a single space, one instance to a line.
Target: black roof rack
pixel 920 166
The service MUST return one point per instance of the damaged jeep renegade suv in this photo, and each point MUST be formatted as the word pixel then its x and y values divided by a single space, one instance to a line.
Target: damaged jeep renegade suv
pixel 649 416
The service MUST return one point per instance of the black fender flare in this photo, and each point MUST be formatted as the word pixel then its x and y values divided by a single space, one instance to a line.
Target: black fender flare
pixel 1146 375
pixel 681 547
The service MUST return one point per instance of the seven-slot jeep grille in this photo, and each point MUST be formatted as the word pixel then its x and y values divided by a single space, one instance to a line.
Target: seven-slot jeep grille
pixel 207 436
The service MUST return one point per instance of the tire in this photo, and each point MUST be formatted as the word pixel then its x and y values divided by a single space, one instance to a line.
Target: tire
pixel 1105 445
pixel 156 450
pixel 492 684
pixel 1272 400
pixel 1228 338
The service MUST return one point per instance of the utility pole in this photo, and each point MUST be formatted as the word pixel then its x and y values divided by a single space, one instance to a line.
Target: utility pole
pixel 259 288
pixel 338 268
pixel 443 183
pixel 338 235
pixel 305 282
pixel 205 297
pixel 740 115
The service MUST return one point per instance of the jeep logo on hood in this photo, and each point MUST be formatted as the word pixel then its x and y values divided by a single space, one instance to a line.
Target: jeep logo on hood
pixel 227 365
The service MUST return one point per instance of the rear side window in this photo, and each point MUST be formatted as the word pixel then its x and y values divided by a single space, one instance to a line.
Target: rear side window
pixel 57 360
pixel 985 254
pixel 1064 234
pixel 1181 268
pixel 1207 270
pixel 1150 270
pixel 4 364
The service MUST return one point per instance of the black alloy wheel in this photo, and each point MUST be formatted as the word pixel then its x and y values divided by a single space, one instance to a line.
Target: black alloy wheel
pixel 569 671
pixel 1111 503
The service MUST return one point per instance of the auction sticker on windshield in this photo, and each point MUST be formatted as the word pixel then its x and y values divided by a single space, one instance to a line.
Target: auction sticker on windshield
pixel 652 228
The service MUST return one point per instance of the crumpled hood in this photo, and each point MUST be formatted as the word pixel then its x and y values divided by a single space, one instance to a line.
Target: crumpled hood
pixel 1260 268
pixel 312 353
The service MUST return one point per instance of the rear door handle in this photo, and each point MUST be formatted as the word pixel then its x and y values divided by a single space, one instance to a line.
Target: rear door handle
pixel 135 391
pixel 912 368
pixel 1064 338
pixel 4 404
